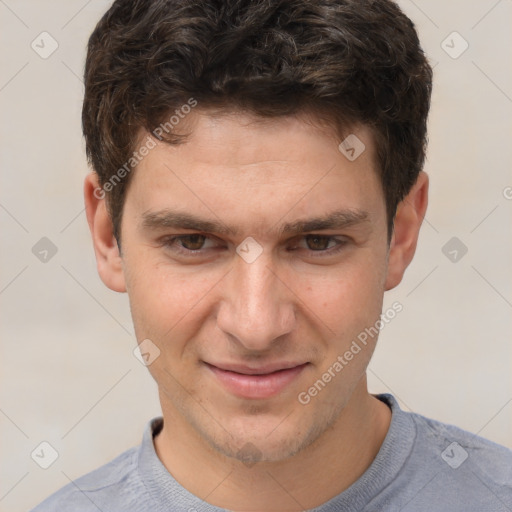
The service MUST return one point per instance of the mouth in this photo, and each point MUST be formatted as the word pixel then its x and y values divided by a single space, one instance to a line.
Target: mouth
pixel 256 383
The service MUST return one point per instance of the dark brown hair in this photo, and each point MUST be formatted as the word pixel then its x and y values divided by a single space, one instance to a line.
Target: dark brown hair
pixel 348 61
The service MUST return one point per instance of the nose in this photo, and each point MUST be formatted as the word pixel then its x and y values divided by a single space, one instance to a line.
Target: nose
pixel 257 306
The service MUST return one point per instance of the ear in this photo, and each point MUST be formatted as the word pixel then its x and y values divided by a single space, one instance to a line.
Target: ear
pixel 108 259
pixel 408 220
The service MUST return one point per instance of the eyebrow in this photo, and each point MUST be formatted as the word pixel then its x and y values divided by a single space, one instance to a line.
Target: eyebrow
pixel 339 219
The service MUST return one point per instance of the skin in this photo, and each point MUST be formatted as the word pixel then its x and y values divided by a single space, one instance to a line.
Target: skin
pixel 298 301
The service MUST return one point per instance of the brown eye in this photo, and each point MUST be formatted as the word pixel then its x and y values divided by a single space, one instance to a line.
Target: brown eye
pixel 318 242
pixel 193 245
pixel 192 242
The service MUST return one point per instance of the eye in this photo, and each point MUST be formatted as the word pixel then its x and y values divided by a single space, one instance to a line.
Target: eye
pixel 190 244
pixel 318 242
pixel 322 244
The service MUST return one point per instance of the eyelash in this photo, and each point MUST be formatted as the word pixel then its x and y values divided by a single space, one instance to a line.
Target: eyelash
pixel 169 243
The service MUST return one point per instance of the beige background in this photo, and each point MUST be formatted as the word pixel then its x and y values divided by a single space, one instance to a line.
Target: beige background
pixel 68 373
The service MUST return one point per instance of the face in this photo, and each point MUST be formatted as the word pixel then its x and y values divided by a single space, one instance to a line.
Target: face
pixel 254 255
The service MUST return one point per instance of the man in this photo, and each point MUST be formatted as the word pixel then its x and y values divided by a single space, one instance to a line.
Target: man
pixel 257 187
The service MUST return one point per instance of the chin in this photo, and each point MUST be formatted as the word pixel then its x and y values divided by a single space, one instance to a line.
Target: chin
pixel 251 450
pixel 270 439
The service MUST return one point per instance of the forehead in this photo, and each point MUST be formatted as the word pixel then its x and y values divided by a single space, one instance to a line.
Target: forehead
pixel 240 138
pixel 257 172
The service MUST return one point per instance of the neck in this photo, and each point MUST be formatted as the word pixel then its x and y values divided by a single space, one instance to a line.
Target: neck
pixel 308 479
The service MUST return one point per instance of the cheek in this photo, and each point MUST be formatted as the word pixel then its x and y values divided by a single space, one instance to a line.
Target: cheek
pixel 163 301
pixel 348 300
pixel 170 309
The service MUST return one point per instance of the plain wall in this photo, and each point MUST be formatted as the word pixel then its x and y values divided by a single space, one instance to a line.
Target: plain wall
pixel 68 372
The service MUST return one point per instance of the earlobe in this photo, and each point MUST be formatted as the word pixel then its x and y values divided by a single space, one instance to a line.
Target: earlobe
pixel 408 220
pixel 108 259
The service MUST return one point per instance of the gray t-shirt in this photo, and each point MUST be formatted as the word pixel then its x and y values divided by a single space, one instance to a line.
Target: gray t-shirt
pixel 423 465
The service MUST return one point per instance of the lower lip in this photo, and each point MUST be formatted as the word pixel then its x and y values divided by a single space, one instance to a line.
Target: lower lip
pixel 256 386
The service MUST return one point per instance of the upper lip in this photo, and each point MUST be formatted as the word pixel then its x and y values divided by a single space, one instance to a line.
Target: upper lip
pixel 258 370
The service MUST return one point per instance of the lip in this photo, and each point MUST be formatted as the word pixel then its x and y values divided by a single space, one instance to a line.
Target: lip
pixel 256 383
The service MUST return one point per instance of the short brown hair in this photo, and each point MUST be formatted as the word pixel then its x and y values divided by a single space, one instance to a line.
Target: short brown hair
pixel 350 61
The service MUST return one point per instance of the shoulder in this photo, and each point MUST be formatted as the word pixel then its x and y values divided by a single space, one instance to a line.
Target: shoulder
pixel 450 445
pixel 462 468
pixel 437 466
pixel 93 491
pixel 456 446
